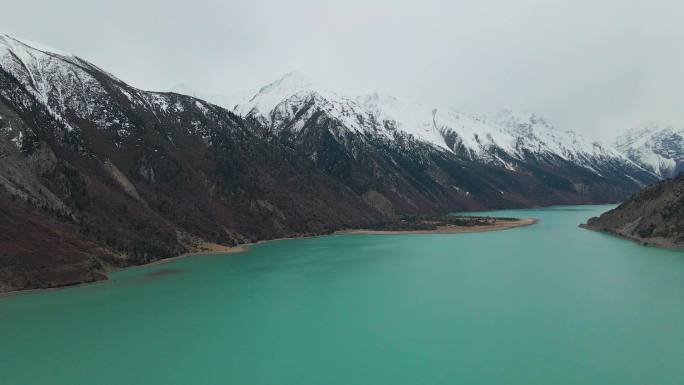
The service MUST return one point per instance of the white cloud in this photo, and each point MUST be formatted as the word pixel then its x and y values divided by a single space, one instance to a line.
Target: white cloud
pixel 596 66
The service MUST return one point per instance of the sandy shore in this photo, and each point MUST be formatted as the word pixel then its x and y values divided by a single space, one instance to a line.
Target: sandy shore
pixel 206 248
pixel 500 224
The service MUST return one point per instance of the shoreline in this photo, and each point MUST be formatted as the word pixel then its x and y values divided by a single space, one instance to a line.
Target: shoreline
pixel 660 243
pixel 214 249
pixel 450 229
pixel 217 249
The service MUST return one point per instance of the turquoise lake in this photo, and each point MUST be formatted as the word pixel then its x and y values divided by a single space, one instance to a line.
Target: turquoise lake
pixel 548 304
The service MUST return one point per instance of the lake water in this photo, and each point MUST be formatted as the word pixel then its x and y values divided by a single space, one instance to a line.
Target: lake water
pixel 545 304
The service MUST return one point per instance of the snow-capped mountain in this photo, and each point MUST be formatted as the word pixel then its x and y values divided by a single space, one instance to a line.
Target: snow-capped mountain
pixel 506 139
pixel 282 105
pixel 523 137
pixel 95 172
pixel 659 149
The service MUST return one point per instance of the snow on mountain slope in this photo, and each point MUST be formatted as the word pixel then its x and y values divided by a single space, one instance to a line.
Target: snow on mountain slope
pixel 415 119
pixel 59 81
pixel 537 138
pixel 656 148
pixel 468 135
pixel 79 94
pixel 70 87
pixel 500 139
pixel 269 96
pixel 286 105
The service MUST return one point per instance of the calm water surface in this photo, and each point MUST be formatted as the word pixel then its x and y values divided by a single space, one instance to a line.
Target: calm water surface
pixel 546 304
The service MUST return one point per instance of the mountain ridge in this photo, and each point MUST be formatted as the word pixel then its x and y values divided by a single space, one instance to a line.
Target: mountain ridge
pixel 512 141
pixel 115 176
pixel 432 124
pixel 96 174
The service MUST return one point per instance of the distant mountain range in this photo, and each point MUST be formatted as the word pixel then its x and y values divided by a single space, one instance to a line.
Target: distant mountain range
pixel 96 174
pixel 522 137
pixel 517 159
pixel 659 149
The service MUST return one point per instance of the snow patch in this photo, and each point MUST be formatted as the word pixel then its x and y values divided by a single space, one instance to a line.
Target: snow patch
pixel 201 107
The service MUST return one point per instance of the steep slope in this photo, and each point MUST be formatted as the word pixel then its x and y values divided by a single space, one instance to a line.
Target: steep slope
pixel 655 215
pixel 656 148
pixel 438 158
pixel 507 139
pixel 95 174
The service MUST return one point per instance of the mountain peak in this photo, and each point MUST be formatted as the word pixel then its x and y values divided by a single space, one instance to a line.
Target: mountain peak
pixel 16 44
pixel 644 133
pixel 295 78
pixel 520 120
pixel 290 83
pixel 270 95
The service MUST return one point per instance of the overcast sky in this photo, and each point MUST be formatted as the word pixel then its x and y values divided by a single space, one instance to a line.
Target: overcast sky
pixel 594 66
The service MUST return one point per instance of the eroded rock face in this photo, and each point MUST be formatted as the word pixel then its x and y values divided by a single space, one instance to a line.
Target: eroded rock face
pixel 654 215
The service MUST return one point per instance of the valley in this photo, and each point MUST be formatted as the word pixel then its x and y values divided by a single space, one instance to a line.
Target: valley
pixel 475 192
pixel 108 175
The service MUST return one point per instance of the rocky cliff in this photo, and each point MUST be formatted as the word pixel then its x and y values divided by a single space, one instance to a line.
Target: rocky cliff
pixel 655 215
